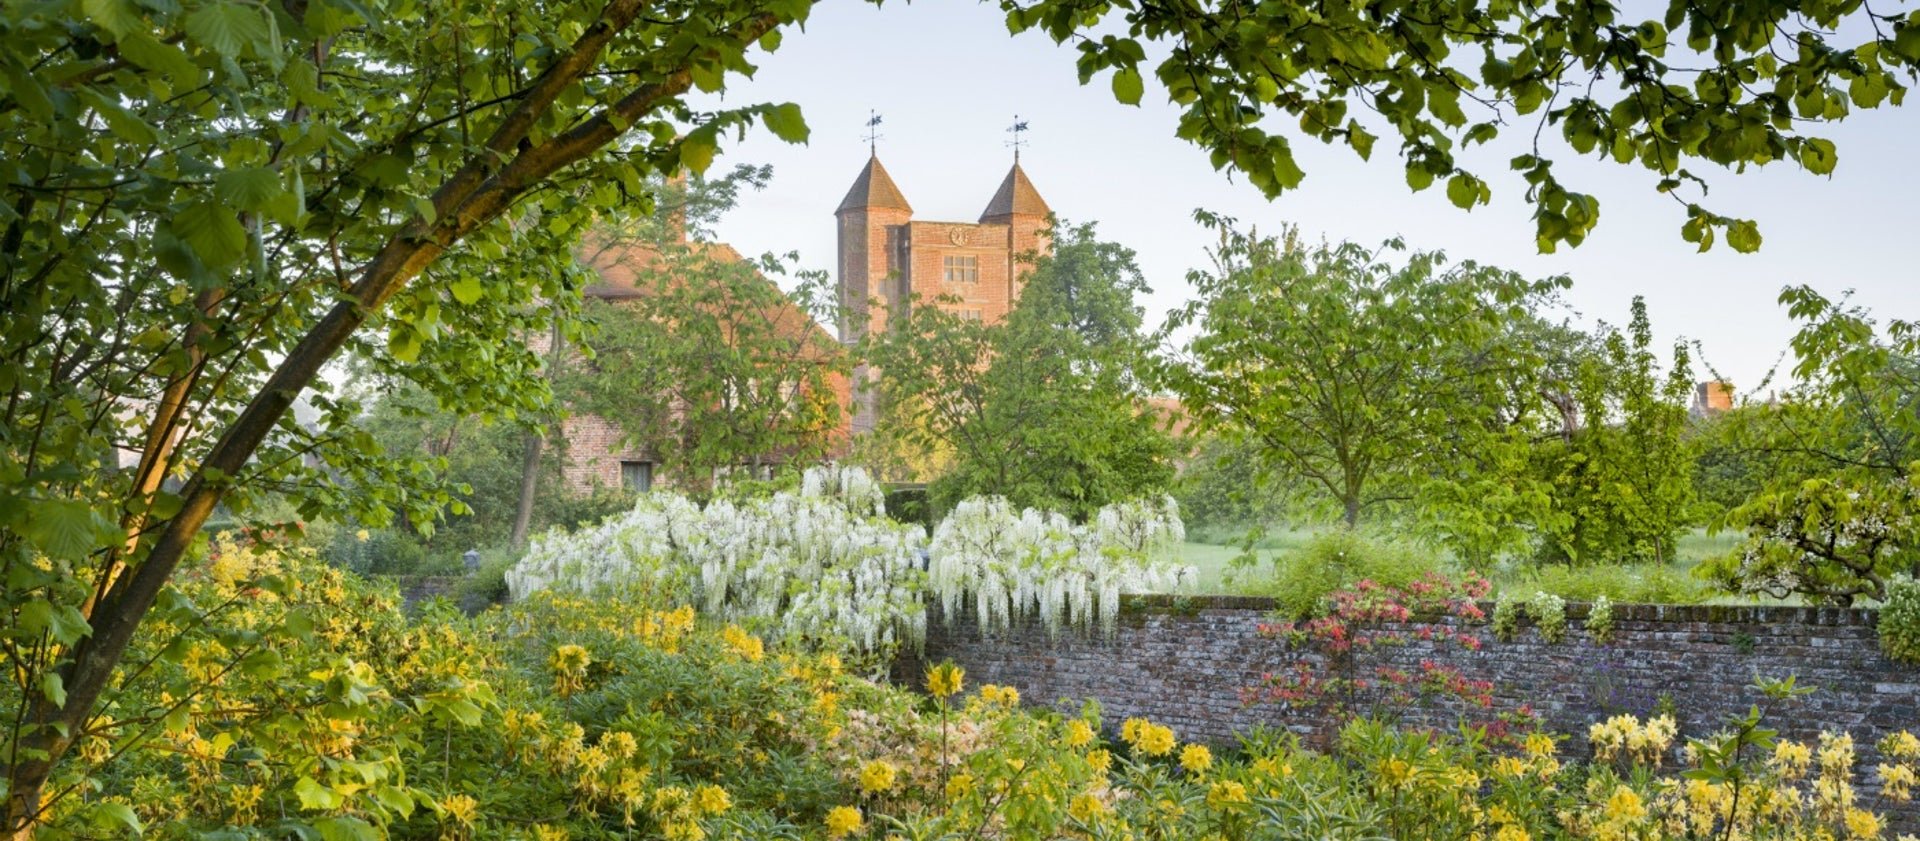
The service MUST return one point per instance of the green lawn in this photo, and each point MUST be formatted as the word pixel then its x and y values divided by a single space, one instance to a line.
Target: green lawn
pixel 1212 563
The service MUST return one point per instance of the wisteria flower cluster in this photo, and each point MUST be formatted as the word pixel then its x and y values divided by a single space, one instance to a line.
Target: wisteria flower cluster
pixel 824 566
pixel 1007 565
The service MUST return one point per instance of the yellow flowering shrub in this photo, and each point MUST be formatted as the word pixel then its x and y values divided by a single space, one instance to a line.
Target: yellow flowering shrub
pixel 308 704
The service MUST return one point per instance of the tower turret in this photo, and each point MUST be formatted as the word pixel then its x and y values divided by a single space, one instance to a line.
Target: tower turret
pixel 1018 206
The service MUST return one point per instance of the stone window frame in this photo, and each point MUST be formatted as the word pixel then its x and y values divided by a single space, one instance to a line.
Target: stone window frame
pixel 960 268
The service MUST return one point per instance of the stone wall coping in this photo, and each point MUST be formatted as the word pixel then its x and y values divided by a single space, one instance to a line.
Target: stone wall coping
pixel 1628 612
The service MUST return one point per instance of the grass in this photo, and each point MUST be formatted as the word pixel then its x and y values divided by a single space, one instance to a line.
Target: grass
pixel 1215 573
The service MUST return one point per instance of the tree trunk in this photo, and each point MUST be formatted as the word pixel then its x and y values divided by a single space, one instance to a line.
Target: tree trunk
pixel 530 457
pixel 529 486
pixel 475 195
pixel 1352 511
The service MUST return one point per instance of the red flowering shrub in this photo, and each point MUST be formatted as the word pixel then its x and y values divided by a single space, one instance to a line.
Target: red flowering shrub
pixel 1324 676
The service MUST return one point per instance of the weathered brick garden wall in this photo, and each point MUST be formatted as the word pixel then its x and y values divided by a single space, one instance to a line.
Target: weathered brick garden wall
pixel 1185 661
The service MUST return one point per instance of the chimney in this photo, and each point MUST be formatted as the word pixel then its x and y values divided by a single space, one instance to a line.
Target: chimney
pixel 1711 397
pixel 675 198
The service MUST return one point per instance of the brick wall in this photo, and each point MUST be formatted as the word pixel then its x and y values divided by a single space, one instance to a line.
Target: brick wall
pixel 992 295
pixel 595 449
pixel 1183 662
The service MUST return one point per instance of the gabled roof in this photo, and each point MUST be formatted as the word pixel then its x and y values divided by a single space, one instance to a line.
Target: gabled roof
pixel 1016 196
pixel 874 188
pixel 633 270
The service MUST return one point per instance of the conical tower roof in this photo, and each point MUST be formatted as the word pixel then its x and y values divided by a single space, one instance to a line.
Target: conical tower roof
pixel 1016 197
pixel 874 188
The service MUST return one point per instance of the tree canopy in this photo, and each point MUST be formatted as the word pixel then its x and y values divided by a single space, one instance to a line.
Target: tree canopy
pixel 1363 376
pixel 1046 408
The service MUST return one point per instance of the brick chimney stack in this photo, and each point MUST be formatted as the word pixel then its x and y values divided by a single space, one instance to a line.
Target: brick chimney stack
pixel 1711 397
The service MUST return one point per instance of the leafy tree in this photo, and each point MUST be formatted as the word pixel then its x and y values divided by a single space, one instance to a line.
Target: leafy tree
pixel 1046 408
pixel 1705 83
pixel 1222 491
pixel 1379 385
pixel 1622 476
pixel 1836 460
pixel 708 364
pixel 206 203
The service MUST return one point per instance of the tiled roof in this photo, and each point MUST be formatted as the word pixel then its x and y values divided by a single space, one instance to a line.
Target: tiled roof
pixel 1016 196
pixel 874 188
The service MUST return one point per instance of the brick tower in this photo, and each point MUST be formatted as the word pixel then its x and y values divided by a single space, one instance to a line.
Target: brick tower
pixel 887 259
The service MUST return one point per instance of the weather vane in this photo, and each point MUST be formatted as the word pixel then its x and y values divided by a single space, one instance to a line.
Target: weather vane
pixel 873 132
pixel 1018 126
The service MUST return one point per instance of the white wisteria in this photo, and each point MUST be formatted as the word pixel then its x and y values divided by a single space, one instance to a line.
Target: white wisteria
pixel 1008 565
pixel 824 566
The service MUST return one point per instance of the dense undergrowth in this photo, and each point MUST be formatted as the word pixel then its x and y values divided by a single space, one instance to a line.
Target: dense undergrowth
pixel 287 699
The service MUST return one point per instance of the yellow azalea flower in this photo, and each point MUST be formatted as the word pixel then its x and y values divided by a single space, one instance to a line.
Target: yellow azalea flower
pixel 1130 730
pixel 1625 805
pixel 461 809
pixel 1539 745
pixel 1512 832
pixel 1196 758
pixel 712 799
pixel 1901 745
pixel 1862 824
pixel 877 777
pixel 1079 733
pixel 569 663
pixel 1836 753
pixel 1002 695
pixel 959 786
pixel 843 821
pixel 543 832
pixel 1896 782
pixel 1226 793
pixel 748 646
pixel 1791 759
pixel 1156 740
pixel 1101 760
pixel 1085 806
pixel 362 536
pixel 945 680
pixel 1396 772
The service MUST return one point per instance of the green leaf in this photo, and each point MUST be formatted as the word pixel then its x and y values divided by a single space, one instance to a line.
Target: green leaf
pixel 163 58
pixel 1360 140
pixel 252 189
pixel 1128 86
pixel 229 28
pixel 213 232
pixel 786 122
pixel 55 688
pixel 394 798
pixel 1463 190
pixel 313 795
pixel 112 816
pixel 264 663
pixel 696 152
pixel 346 829
pixel 1744 236
pixel 466 290
pixel 117 17
pixel 404 342
pixel 66 529
pixel 124 124
pixel 1419 177
pixel 1818 156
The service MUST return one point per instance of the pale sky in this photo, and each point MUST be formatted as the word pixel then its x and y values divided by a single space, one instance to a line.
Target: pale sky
pixel 948 79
